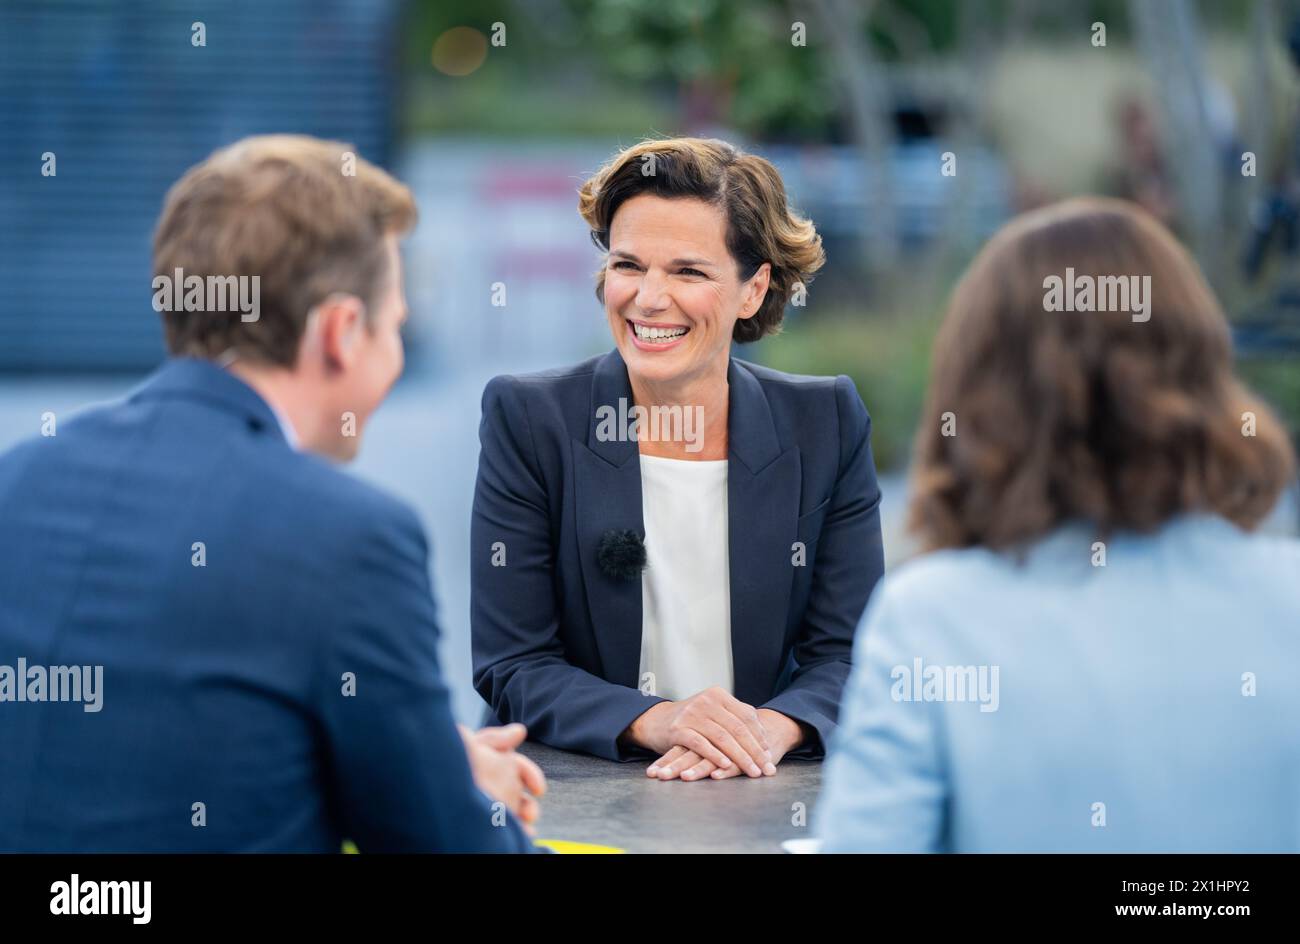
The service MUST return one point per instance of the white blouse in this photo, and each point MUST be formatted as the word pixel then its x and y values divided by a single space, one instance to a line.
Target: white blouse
pixel 686 586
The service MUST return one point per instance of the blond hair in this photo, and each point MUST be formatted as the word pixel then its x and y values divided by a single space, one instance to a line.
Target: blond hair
pixel 306 216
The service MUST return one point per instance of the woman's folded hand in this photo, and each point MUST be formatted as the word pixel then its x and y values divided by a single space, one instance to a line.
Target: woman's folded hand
pixel 713 731
pixel 783 735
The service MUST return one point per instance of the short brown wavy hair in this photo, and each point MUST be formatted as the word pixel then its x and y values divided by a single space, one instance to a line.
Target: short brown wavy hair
pixel 282 208
pixel 761 226
pixel 1064 415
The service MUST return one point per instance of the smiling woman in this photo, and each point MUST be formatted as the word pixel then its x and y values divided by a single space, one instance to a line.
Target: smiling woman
pixel 744 190
pixel 726 648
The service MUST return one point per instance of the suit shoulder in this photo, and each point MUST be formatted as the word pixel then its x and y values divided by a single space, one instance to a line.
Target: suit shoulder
pixel 528 407
pixel 915 581
pixel 805 403
pixel 808 383
pixel 313 486
pixel 555 377
pixel 826 392
pixel 936 599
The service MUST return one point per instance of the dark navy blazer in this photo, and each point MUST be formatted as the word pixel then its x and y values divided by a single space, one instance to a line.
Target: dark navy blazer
pixel 557 642
pixel 222 684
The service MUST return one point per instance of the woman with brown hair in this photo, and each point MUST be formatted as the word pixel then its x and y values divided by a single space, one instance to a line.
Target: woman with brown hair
pixel 1096 654
pixel 671 546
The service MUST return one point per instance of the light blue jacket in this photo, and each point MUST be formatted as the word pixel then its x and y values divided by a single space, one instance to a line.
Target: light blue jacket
pixel 1150 704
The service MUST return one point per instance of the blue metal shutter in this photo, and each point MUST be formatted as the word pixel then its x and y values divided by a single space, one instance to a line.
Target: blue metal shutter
pixel 126 103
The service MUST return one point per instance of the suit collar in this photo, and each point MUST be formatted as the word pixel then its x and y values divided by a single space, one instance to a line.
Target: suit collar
pixel 610 388
pixel 196 379
pixel 751 433
pixel 763 488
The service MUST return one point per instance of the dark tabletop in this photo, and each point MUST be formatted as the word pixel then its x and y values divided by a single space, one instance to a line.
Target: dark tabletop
pixel 593 800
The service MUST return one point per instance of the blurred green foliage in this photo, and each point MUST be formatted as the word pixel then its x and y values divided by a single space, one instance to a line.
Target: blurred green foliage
pixel 1277 380
pixel 888 358
pixel 887 355
pixel 632 67
pixel 735 60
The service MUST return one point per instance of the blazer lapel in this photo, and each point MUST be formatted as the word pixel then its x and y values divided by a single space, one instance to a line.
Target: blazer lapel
pixel 763 484
pixel 607 493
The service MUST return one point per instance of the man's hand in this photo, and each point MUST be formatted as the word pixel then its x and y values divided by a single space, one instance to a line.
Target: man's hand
pixel 714 725
pixel 502 773
pixel 783 735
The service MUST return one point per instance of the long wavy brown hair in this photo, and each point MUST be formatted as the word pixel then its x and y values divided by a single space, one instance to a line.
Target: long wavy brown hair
pixel 1035 417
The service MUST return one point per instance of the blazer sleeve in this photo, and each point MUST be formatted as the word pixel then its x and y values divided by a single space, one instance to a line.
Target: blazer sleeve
pixel 884 786
pixel 519 663
pixel 848 563
pixel 399 769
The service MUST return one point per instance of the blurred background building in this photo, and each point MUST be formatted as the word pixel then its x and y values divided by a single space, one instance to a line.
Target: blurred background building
pixel 908 130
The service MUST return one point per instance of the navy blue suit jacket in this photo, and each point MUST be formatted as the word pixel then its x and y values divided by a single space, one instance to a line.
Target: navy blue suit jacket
pixel 557 642
pixel 222 684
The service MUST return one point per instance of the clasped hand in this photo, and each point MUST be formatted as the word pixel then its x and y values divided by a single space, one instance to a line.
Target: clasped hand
pixel 715 735
pixel 502 772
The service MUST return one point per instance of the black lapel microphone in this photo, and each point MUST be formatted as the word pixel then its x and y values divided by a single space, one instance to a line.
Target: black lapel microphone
pixel 621 554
